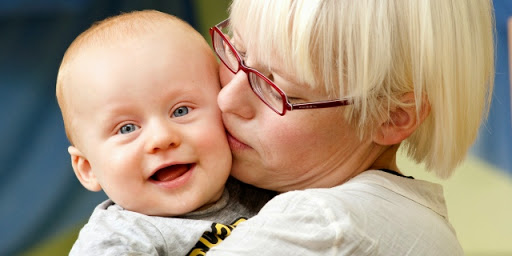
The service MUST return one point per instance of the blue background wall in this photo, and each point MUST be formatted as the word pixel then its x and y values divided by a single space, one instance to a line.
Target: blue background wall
pixel 495 142
pixel 39 195
pixel 40 198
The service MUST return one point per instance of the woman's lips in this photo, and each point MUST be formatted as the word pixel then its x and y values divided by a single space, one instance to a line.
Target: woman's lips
pixel 235 144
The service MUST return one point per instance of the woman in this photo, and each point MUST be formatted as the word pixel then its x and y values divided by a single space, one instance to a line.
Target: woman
pixel 317 98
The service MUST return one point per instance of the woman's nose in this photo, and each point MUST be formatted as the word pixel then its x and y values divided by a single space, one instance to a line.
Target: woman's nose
pixel 162 135
pixel 236 96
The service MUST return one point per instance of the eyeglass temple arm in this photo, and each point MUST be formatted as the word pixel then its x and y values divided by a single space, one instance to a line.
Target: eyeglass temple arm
pixel 223 24
pixel 323 104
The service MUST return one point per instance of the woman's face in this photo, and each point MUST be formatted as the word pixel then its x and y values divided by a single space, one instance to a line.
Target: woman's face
pixel 302 149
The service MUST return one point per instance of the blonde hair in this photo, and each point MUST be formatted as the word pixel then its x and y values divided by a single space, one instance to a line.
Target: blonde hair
pixel 376 51
pixel 118 28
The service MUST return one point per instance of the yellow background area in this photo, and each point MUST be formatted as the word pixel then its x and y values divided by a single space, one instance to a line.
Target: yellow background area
pixel 479 199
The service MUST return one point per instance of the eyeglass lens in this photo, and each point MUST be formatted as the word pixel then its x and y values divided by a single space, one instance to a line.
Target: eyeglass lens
pixel 265 91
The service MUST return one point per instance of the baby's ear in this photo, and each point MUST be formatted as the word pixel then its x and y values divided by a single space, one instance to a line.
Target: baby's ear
pixel 402 122
pixel 83 170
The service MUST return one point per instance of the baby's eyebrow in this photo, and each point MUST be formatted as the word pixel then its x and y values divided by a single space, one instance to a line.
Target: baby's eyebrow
pixel 112 115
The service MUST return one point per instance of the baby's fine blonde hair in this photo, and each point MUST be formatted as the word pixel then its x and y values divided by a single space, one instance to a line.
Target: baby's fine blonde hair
pixel 117 29
pixel 375 51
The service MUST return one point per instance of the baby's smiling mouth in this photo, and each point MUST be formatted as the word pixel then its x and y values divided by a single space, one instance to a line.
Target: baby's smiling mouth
pixel 171 172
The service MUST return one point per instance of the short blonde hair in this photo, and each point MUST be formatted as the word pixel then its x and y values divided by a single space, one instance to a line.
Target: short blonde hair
pixel 118 28
pixel 377 50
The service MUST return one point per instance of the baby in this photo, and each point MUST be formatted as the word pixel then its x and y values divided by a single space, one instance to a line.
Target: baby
pixel 138 97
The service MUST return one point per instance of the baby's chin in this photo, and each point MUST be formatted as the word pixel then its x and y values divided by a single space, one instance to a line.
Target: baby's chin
pixel 180 207
pixel 186 201
pixel 169 212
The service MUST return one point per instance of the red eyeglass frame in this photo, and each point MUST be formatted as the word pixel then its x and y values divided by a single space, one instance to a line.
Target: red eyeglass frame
pixel 287 106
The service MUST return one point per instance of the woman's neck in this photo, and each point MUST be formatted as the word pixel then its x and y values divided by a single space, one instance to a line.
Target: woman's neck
pixel 387 159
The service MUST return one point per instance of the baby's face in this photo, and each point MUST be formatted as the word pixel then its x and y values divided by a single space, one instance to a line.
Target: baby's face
pixel 146 116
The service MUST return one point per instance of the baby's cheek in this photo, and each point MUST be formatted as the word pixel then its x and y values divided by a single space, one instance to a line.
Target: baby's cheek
pixel 216 142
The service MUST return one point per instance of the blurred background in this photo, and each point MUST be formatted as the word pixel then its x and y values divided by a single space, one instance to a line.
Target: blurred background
pixel 43 206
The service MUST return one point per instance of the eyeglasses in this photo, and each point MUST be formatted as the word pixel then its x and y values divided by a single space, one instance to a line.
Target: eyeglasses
pixel 266 90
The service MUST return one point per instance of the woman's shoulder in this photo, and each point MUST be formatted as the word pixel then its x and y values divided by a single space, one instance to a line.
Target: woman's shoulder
pixel 321 203
pixel 314 219
pixel 369 189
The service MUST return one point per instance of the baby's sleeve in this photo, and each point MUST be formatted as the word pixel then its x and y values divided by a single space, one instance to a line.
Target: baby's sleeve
pixel 112 233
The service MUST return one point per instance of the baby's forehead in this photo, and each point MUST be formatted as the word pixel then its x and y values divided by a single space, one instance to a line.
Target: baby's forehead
pixel 130 36
pixel 119 58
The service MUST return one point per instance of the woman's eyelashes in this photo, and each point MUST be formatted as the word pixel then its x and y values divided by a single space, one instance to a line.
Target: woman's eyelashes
pixel 238 48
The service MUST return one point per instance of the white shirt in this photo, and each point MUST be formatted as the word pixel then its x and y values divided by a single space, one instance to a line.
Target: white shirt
pixel 375 213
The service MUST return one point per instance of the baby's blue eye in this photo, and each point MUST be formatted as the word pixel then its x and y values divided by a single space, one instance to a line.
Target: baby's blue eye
pixel 181 111
pixel 128 128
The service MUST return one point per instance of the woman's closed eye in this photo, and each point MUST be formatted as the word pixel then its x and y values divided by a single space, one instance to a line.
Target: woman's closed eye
pixel 241 52
pixel 269 91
